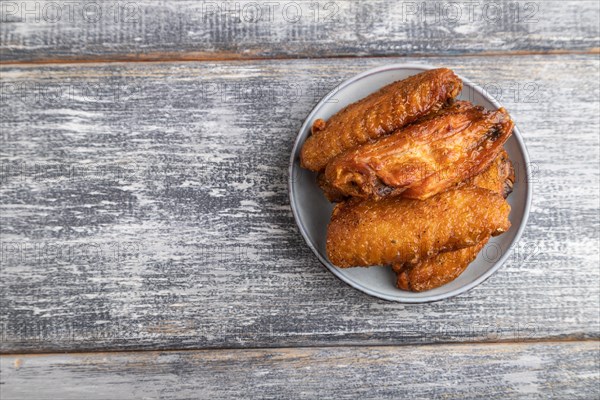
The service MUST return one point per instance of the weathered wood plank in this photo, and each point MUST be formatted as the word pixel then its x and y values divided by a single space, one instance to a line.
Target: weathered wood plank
pixel 491 371
pixel 160 30
pixel 144 206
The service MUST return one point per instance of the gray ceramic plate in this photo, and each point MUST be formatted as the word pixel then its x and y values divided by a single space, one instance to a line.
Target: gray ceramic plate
pixel 312 210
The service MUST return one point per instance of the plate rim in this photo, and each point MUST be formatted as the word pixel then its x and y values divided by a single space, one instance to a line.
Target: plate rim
pixel 333 269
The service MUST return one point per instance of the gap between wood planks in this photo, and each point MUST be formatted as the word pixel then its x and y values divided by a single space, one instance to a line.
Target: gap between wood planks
pixel 317 346
pixel 165 57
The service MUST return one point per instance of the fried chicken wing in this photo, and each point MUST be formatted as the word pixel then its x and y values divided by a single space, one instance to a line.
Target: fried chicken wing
pixel 476 161
pixel 332 194
pixel 378 114
pixel 445 267
pixel 498 177
pixel 436 271
pixel 336 195
pixel 425 158
pixel 398 230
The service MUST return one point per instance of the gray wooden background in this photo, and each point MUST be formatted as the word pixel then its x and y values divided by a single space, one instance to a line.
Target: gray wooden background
pixel 147 245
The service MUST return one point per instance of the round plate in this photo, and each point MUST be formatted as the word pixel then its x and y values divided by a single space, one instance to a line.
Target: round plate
pixel 312 210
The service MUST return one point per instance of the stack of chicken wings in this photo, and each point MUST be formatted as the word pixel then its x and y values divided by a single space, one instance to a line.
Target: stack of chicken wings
pixel 420 179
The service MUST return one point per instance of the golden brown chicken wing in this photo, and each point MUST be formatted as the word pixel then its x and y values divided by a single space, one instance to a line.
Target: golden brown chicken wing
pixel 436 271
pixel 445 267
pixel 498 177
pixel 332 194
pixel 335 195
pixel 398 230
pixel 425 158
pixel 378 114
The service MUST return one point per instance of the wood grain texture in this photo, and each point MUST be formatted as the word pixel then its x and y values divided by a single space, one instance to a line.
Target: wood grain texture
pixel 145 206
pixel 490 371
pixel 50 31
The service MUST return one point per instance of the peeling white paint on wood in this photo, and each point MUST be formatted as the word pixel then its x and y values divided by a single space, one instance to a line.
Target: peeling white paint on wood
pixel 558 370
pixel 148 29
pixel 144 206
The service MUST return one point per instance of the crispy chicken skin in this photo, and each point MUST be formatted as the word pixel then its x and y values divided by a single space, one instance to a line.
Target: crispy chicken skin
pixel 498 177
pixel 425 158
pixel 335 195
pixel 398 230
pixel 332 194
pixel 445 267
pixel 378 114
pixel 436 271
pixel 477 161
